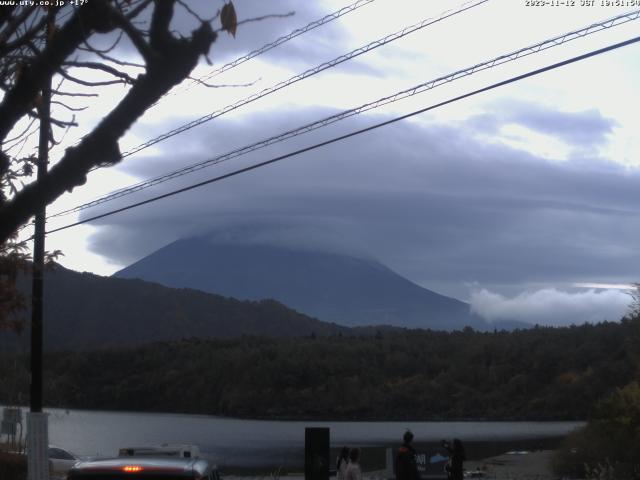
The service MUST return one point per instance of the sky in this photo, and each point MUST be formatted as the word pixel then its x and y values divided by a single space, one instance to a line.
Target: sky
pixel 523 200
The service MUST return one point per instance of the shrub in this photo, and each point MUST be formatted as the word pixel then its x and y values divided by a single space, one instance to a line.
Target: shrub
pixel 609 445
pixel 13 466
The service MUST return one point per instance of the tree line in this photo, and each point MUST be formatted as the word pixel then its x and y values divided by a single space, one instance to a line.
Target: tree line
pixel 537 374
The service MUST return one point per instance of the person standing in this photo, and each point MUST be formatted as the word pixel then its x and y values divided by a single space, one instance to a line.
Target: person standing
pixel 341 463
pixel 406 466
pixel 456 458
pixel 353 472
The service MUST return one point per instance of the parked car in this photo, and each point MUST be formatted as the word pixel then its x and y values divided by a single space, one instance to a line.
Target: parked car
pixel 61 461
pixel 164 450
pixel 144 468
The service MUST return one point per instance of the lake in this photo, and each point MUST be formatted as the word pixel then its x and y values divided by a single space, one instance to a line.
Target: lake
pixel 235 443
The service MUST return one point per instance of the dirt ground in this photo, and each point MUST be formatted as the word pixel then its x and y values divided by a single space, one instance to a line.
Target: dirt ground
pixel 515 465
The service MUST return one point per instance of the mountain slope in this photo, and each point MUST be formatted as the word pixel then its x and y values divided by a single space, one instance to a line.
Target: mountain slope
pixel 332 287
pixel 84 310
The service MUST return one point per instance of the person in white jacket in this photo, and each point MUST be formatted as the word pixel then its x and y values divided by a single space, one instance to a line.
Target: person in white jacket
pixel 353 469
pixel 341 463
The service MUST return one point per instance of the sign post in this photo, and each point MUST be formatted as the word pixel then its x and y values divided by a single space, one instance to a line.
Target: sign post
pixel 316 453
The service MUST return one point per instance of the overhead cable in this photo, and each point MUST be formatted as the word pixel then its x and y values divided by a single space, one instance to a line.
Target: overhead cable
pixel 285 38
pixel 423 87
pixel 354 133
pixel 306 74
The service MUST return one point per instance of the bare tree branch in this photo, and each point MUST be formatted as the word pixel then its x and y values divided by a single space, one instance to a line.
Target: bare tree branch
pixel 23 39
pixel 134 35
pixel 137 10
pixel 223 85
pixel 171 61
pixel 18 136
pixel 71 109
pixel 90 48
pixel 194 14
pixel 55 121
pixel 261 18
pixel 87 83
pixel 101 66
pixel 62 93
pixel 13 23
pixel 119 62
pixel 17 100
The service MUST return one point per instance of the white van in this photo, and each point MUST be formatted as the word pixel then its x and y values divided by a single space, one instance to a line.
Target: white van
pixel 164 450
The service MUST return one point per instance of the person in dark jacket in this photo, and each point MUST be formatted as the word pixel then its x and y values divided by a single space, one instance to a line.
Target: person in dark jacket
pixel 406 467
pixel 456 457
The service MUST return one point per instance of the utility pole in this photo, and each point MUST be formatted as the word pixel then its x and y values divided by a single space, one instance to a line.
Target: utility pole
pixel 37 429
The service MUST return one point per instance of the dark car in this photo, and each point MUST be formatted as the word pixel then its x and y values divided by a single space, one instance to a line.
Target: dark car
pixel 144 468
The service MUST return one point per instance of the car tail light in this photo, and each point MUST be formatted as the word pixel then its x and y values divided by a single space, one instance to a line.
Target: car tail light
pixel 132 468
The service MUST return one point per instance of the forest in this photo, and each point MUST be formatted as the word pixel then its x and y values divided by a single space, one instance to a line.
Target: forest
pixel 542 373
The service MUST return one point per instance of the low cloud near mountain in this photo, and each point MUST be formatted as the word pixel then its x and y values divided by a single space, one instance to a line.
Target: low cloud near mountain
pixel 550 306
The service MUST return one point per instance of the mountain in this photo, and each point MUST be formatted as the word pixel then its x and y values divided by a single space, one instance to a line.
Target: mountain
pixel 83 310
pixel 332 287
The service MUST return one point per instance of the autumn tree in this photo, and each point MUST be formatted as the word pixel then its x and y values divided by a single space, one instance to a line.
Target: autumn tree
pixel 41 43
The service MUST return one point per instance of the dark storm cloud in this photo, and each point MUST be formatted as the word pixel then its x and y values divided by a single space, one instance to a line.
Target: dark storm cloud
pixel 581 129
pixel 430 201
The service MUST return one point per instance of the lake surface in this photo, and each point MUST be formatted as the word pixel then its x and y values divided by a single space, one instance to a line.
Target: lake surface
pixel 234 443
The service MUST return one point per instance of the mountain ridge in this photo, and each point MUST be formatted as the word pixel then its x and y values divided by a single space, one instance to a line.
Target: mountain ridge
pixel 84 310
pixel 334 287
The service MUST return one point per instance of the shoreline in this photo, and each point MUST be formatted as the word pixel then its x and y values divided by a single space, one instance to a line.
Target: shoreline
pixel 66 410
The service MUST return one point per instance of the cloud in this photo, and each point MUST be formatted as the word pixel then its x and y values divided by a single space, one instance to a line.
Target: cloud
pixel 552 307
pixel 587 128
pixel 578 128
pixel 429 200
pixel 279 18
pixel 315 46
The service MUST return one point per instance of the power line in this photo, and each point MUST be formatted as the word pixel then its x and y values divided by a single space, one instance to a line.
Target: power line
pixel 306 74
pixel 541 46
pixel 269 46
pixel 357 132
pixel 285 38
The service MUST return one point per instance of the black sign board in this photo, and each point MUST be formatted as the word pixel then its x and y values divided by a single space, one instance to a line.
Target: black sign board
pixel 316 454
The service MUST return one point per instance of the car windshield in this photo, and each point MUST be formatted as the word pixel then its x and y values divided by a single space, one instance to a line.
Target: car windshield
pixel 57 453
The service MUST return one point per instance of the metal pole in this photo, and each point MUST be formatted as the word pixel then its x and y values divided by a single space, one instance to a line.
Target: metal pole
pixel 38 257
pixel 38 435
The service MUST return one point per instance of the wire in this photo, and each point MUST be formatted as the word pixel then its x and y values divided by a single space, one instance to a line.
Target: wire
pixel 265 48
pixel 544 45
pixel 356 132
pixel 285 38
pixel 306 74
